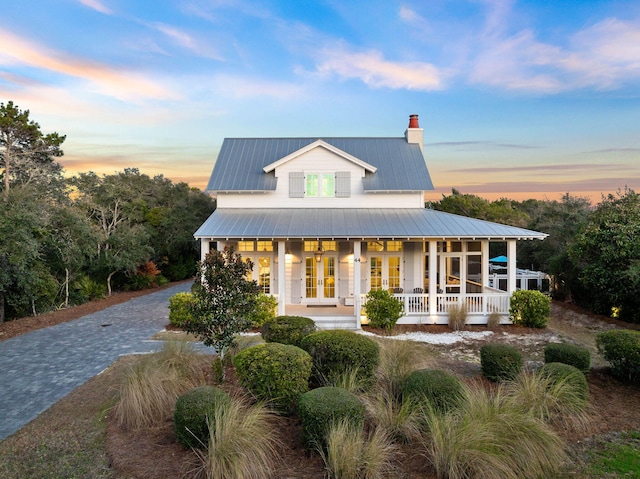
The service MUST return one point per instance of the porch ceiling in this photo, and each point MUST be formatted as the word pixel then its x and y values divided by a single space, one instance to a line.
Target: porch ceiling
pixel 352 223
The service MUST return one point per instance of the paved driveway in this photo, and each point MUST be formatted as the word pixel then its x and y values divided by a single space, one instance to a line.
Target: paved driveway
pixel 39 368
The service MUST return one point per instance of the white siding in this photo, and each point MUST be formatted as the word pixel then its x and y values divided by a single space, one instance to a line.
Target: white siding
pixel 320 160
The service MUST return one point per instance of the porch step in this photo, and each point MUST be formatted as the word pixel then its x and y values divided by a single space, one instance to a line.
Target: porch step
pixel 335 322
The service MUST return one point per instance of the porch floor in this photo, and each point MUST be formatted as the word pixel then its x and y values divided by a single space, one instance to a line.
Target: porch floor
pixel 312 311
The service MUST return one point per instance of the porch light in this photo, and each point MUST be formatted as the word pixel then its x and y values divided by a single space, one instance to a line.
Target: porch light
pixel 318 254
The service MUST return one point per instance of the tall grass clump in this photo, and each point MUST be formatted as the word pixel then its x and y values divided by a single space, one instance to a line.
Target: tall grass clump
pixel 457 316
pixel 399 418
pixel 351 454
pixel 242 443
pixel 560 401
pixel 489 437
pixel 152 384
pixel 397 360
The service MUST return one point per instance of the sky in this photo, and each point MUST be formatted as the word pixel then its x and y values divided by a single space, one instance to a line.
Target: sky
pixel 517 99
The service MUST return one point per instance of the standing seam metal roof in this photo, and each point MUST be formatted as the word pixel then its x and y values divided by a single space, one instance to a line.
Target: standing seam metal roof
pixel 239 167
pixel 239 223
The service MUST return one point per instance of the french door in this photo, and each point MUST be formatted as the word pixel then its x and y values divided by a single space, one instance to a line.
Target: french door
pixel 385 273
pixel 320 279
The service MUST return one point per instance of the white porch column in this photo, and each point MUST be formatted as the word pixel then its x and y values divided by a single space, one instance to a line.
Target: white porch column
pixel 511 266
pixel 433 278
pixel 357 252
pixel 204 248
pixel 485 265
pixel 282 296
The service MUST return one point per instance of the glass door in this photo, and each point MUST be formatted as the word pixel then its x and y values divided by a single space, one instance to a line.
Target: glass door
pixel 384 273
pixel 320 278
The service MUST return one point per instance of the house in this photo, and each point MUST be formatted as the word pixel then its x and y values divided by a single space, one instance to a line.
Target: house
pixel 325 220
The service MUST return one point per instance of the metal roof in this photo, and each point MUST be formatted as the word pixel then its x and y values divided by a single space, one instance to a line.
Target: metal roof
pixel 400 165
pixel 349 223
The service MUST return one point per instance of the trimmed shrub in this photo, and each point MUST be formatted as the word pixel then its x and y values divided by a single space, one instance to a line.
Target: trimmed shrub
pixel 333 351
pixel 559 372
pixel 180 305
pixel 287 329
pixel 442 390
pixel 321 408
pixel 193 410
pixel 530 308
pixel 265 310
pixel 273 372
pixel 383 309
pixel 621 348
pixel 571 354
pixel 500 361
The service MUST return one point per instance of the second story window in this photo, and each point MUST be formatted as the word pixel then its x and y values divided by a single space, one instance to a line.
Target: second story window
pixel 320 184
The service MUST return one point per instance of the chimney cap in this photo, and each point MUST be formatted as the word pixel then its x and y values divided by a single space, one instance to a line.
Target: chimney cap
pixel 413 121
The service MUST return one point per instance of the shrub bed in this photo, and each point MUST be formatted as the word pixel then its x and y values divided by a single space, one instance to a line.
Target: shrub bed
pixel 273 372
pixel 444 391
pixel 193 409
pixel 500 361
pixel 383 309
pixel 321 408
pixel 333 351
pixel 287 329
pixel 571 354
pixel 621 348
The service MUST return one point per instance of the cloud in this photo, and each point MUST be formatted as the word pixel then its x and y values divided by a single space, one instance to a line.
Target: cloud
pixel 242 87
pixel 482 145
pixel 595 185
pixel 121 84
pixel 96 5
pixel 374 70
pixel 543 168
pixel 185 40
pixel 604 55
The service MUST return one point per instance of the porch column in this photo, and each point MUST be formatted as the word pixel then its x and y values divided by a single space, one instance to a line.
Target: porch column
pixel 357 251
pixel 282 296
pixel 511 266
pixel 485 265
pixel 204 248
pixel 433 280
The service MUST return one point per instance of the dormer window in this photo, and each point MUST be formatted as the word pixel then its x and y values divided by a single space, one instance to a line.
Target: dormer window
pixel 319 185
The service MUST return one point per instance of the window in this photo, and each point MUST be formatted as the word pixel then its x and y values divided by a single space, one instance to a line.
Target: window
pixel 312 185
pixel 389 246
pixel 320 185
pixel 244 246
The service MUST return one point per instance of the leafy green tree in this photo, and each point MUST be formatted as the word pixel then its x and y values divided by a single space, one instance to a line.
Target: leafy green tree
pixel 607 254
pixel 561 220
pixel 223 299
pixel 26 154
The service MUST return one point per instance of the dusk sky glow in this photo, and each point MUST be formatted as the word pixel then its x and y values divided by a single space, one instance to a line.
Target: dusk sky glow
pixel 517 99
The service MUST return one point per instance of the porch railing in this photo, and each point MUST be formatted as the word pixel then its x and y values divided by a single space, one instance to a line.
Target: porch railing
pixel 476 303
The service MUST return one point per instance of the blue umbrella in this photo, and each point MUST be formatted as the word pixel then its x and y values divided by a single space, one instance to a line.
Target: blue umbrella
pixel 499 259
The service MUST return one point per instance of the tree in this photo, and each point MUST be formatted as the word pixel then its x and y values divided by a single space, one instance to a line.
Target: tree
pixel 607 254
pixel 26 154
pixel 223 299
pixel 561 220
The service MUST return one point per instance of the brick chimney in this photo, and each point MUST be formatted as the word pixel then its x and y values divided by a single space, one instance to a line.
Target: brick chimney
pixel 414 133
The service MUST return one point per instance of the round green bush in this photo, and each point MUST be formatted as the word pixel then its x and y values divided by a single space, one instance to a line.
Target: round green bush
pixel 191 413
pixel 571 354
pixel 180 309
pixel 287 329
pixel 383 309
pixel 264 310
pixel 335 351
pixel 530 308
pixel 565 372
pixel 500 361
pixel 273 372
pixel 621 348
pixel 319 408
pixel 442 390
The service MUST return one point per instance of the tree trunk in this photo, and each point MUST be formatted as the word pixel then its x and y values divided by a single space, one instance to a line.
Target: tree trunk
pixel 66 288
pixel 109 281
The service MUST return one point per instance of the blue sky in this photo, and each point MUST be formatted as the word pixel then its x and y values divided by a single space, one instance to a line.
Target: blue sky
pixel 518 99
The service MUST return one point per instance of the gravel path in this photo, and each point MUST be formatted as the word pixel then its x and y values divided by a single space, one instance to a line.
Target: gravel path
pixel 39 368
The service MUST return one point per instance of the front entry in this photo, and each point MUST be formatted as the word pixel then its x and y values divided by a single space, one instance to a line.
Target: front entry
pixel 320 279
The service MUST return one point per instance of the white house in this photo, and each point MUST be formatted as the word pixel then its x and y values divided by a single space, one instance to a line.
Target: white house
pixel 325 220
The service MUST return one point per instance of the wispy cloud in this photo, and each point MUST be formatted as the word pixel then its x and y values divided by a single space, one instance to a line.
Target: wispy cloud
pixel 373 69
pixel 616 150
pixel 543 168
pixel 185 40
pixel 104 79
pixel 603 56
pixel 594 185
pixel 97 5
pixel 245 87
pixel 469 145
